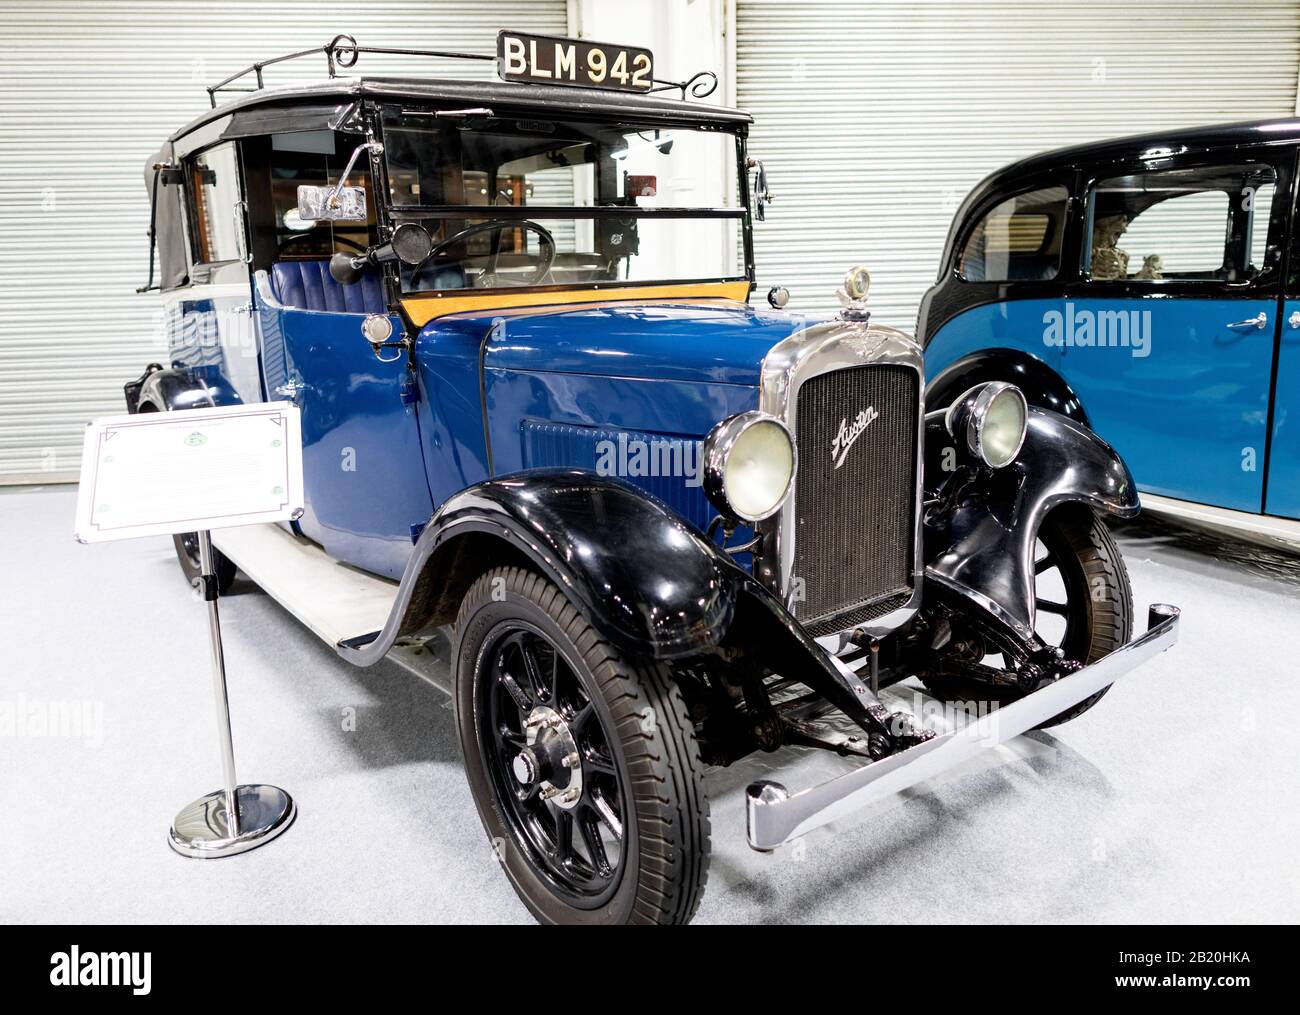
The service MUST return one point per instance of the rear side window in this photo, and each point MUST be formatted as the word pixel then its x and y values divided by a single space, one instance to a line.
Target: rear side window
pixel 214 194
pixel 1020 239
pixel 1204 224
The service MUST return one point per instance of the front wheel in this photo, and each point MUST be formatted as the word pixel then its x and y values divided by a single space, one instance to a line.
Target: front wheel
pixel 1084 603
pixel 583 764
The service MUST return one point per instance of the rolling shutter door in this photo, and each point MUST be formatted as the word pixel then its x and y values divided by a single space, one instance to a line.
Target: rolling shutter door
pixel 875 120
pixel 88 91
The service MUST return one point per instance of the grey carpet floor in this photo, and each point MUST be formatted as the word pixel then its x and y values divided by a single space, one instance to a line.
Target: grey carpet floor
pixel 1174 800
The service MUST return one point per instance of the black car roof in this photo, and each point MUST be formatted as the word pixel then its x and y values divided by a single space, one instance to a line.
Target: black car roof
pixel 1163 143
pixel 1166 142
pixel 552 100
pixel 1159 144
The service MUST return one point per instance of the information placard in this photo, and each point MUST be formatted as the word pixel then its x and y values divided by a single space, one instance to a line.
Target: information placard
pixel 161 473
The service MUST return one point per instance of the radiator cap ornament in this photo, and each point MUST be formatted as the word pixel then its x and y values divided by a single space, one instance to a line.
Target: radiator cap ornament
pixel 853 294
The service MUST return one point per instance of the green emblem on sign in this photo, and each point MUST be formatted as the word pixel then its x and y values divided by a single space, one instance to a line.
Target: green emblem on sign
pixel 275 444
pixel 195 439
pixel 277 490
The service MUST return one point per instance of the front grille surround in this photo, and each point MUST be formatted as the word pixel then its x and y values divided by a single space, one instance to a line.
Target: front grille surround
pixel 878 601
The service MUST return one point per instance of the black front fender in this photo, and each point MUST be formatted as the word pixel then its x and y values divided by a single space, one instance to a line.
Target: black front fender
pixel 981 527
pixel 646 580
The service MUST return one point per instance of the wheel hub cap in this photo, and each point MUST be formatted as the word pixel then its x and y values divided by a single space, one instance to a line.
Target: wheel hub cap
pixel 552 757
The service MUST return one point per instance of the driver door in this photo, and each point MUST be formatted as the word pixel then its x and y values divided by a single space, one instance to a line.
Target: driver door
pixel 366 492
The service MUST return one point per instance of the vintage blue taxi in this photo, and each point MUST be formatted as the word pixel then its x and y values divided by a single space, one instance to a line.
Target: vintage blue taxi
pixel 1148 287
pixel 669 528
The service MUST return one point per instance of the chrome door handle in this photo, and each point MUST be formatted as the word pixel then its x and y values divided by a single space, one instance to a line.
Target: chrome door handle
pixel 1294 319
pixel 290 390
pixel 1258 321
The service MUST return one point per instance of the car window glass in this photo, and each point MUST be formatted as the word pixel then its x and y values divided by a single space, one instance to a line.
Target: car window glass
pixel 1019 239
pixel 316 158
pixel 214 191
pixel 590 190
pixel 1184 224
pixel 1261 202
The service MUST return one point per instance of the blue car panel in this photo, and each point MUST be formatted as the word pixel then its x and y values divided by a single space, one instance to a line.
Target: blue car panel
pixel 362 463
pixel 1186 408
pixel 214 340
pixel 1175 346
pixel 1016 324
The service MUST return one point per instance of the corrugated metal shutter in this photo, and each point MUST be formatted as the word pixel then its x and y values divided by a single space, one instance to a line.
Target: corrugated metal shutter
pixel 874 120
pixel 87 93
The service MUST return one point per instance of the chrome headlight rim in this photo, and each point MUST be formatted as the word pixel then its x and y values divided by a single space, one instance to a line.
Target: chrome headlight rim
pixel 969 415
pixel 719 444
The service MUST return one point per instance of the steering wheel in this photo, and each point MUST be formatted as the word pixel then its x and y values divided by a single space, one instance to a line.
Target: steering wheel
pixel 346 241
pixel 489 279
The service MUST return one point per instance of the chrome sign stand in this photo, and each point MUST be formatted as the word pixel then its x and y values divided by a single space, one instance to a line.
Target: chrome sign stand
pixel 237 818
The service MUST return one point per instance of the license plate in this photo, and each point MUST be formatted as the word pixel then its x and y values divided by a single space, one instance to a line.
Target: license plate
pixel 546 59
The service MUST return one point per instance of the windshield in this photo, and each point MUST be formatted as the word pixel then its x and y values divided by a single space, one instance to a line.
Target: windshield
pixel 537 202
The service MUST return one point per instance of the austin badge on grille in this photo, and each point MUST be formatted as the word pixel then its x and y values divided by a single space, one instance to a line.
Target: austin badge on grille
pixel 849 433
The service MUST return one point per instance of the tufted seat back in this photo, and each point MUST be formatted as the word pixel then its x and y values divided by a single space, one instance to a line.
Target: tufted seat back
pixel 308 285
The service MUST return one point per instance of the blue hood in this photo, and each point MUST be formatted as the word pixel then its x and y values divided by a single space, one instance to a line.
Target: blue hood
pixel 717 341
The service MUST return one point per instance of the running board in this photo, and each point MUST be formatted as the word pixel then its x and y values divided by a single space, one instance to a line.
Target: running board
pixel 338 603
pixel 775 816
pixel 1265 530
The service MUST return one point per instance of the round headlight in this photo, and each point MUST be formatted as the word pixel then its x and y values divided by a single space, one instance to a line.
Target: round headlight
pixel 749 463
pixel 857 283
pixel 993 419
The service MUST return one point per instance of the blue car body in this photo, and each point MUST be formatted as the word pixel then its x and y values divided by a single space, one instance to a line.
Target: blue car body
pixel 1193 375
pixel 670 528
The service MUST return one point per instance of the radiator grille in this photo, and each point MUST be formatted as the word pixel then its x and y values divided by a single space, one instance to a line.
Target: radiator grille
pixel 855 524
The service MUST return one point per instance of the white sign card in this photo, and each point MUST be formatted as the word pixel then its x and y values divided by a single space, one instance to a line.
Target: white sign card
pixel 159 473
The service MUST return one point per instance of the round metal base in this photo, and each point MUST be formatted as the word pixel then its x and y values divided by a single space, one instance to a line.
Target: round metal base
pixel 203 829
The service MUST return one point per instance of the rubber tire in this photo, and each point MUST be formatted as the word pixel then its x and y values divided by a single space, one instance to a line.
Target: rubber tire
pixel 1081 533
pixel 1077 534
pixel 667 844
pixel 225 567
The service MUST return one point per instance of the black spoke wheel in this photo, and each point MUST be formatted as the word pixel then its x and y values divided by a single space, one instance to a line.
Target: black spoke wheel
pixel 550 763
pixel 583 764
pixel 1084 600
pixel 187 554
pixel 1084 604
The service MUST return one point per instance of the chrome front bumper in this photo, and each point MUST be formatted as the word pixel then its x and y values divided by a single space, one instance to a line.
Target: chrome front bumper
pixel 775 816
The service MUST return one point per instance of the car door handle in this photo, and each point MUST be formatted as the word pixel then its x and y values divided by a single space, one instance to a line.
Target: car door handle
pixel 291 390
pixel 1258 321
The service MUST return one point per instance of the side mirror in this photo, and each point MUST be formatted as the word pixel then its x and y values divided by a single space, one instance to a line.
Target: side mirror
pixel 339 203
pixel 332 204
pixel 762 196
pixel 410 244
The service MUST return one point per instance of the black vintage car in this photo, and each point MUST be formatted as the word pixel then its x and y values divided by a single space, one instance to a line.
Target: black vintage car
pixel 670 528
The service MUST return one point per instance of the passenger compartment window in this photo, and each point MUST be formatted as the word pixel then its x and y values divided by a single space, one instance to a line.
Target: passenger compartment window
pixel 214 192
pixel 316 158
pixel 1203 224
pixel 1020 239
